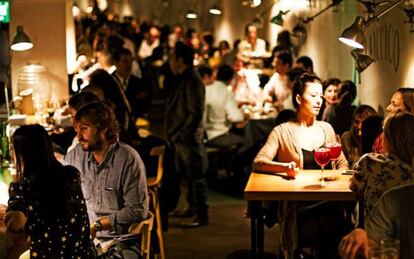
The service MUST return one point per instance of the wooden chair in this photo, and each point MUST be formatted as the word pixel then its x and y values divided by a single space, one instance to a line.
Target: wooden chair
pixel 144 229
pixel 154 183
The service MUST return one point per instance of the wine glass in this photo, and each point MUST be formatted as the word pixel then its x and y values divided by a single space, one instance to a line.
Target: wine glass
pixel 322 157
pixel 335 150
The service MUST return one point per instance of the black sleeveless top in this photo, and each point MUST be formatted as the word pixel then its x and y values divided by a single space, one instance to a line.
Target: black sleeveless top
pixel 309 161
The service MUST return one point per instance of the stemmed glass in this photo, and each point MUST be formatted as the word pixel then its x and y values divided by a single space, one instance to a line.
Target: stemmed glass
pixel 322 157
pixel 335 149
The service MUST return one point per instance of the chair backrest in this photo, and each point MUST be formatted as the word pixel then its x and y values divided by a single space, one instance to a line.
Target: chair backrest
pixel 144 228
pixel 158 151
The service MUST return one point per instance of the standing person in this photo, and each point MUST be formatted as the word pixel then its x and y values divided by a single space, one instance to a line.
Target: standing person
pixel 113 176
pixel 252 45
pixel 184 112
pixel 46 199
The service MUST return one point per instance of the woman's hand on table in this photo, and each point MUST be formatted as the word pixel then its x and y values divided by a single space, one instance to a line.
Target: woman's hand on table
pixel 291 169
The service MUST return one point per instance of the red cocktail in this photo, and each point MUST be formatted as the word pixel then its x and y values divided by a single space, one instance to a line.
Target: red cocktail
pixel 322 157
pixel 335 151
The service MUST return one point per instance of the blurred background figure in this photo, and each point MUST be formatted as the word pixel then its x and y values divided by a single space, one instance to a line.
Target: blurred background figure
pixel 330 96
pixel 352 139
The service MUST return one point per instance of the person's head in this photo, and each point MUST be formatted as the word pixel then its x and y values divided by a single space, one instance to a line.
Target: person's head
pixel 371 128
pixel 347 92
pixel 206 74
pixel 399 136
pixel 307 94
pixel 283 39
pixel 153 33
pixel 402 100
pixel 360 115
pixel 181 57
pixel 123 62
pixel 282 63
pixel 224 47
pixel 293 74
pixel 96 126
pixel 80 99
pixel 305 62
pixel 33 151
pixel 251 32
pixel 330 90
pixel 225 74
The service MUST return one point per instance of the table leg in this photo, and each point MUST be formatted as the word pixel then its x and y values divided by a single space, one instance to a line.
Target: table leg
pixel 257 229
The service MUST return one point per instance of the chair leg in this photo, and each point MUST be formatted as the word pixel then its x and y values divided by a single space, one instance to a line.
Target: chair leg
pixel 160 233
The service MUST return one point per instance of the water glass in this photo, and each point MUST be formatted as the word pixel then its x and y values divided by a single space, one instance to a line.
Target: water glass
pixel 390 248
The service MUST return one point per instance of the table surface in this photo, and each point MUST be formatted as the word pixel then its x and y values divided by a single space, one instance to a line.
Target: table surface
pixel 305 187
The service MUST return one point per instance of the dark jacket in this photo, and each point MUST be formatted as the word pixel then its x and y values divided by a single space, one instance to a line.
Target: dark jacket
pixel 184 108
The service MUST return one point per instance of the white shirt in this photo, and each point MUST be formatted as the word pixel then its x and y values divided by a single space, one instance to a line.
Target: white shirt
pixel 278 86
pixel 246 86
pixel 246 48
pixel 220 110
pixel 146 49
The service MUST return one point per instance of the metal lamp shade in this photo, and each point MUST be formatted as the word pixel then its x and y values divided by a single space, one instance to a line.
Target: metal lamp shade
pixel 362 61
pixel 354 34
pixel 21 41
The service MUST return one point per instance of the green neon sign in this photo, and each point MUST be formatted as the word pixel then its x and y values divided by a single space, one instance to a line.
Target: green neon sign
pixel 4 12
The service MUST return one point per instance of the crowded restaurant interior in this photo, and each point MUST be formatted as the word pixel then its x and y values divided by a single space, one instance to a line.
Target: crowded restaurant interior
pixel 206 129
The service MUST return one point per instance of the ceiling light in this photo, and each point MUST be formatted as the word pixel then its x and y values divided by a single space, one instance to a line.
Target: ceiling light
pixel 21 41
pixel 191 15
pixel 215 9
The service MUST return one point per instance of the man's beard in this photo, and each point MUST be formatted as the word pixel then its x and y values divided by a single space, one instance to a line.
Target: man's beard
pixel 93 145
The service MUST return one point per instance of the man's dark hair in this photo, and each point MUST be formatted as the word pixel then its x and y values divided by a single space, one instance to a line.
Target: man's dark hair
pixel 225 73
pixel 80 99
pixel 205 70
pixel 102 117
pixel 185 52
pixel 286 58
pixel 118 54
pixel 347 92
pixel 307 63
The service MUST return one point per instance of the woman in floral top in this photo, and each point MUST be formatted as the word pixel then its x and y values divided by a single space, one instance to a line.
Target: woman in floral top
pixel 376 173
pixel 49 195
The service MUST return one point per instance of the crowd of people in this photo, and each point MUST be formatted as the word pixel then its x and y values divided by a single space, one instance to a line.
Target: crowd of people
pixel 99 188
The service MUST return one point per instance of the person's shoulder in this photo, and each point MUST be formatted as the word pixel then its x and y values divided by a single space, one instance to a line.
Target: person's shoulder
pixel 374 158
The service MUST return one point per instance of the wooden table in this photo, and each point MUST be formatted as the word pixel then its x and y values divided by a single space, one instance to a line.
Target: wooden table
pixel 276 187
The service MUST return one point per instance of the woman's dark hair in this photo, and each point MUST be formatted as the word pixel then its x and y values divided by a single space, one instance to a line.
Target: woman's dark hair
pixel 371 129
pixel 330 81
pixel 35 160
pixel 299 86
pixel 347 93
pixel 102 117
pixel 285 116
pixel 408 98
pixel 100 80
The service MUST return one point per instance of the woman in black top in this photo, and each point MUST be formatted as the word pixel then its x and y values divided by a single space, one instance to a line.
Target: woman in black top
pixel 50 197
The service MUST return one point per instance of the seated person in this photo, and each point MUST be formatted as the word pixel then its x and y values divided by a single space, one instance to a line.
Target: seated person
pixel 352 139
pixel 252 45
pixel 46 201
pixel 246 85
pixel 113 176
pixel 221 110
pixel 376 173
pixel 391 218
pixel 278 86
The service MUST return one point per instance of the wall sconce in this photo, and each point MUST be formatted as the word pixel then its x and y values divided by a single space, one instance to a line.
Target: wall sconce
pixel 362 61
pixel 191 14
pixel 20 42
pixel 278 19
pixel 299 31
pixel 410 16
pixel 215 9
pixel 333 4
pixel 354 35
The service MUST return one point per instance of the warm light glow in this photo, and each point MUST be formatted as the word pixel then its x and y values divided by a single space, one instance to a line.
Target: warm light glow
pixel 215 11
pixel 293 5
pixel 256 3
pixel 89 9
pixel 191 15
pixel 75 11
pixel 351 43
pixel 22 46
